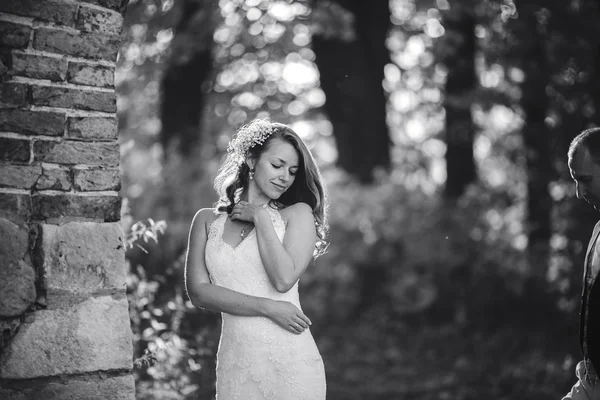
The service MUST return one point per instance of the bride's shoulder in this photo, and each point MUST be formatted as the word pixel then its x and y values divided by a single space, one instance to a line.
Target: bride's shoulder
pixel 299 210
pixel 206 214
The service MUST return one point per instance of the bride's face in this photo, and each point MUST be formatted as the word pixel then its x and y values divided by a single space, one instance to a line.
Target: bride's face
pixel 276 169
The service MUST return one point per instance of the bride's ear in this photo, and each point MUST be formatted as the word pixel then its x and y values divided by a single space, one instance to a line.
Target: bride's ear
pixel 251 163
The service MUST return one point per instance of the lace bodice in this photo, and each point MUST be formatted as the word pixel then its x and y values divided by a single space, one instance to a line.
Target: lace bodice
pixel 249 277
pixel 257 359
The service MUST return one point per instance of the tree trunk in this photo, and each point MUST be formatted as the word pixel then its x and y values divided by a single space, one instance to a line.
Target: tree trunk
pixel 351 74
pixel 457 51
pixel 536 136
pixel 188 68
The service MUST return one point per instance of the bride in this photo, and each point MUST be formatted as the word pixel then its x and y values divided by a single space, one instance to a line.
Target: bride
pixel 244 260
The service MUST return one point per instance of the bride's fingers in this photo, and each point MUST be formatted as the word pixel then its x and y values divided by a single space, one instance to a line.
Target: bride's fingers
pixel 305 319
pixel 302 323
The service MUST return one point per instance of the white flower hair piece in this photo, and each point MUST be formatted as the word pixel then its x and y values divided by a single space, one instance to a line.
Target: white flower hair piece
pixel 248 136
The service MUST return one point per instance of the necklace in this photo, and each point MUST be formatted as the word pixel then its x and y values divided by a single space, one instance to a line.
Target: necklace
pixel 243 232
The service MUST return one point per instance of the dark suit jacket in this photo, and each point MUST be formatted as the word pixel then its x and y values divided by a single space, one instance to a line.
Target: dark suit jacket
pixel 593 322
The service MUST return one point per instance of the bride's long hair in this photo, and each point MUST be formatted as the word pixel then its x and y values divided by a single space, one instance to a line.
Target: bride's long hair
pixel 233 178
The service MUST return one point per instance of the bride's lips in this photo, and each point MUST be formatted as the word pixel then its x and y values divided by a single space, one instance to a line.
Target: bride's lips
pixel 282 188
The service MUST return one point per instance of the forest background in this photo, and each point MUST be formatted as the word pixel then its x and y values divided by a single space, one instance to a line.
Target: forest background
pixel 441 128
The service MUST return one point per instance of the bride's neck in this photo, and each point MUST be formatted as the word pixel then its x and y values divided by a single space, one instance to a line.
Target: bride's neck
pixel 253 199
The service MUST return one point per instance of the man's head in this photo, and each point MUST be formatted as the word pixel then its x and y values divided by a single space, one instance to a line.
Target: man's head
pixel 584 165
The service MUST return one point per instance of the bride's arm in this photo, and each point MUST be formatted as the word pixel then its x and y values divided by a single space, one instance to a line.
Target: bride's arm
pixel 200 290
pixel 205 294
pixel 285 261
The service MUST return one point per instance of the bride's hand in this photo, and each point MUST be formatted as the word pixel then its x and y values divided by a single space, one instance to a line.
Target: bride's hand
pixel 288 316
pixel 245 211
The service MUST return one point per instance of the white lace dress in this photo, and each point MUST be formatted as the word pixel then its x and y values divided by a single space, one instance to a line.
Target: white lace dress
pixel 257 359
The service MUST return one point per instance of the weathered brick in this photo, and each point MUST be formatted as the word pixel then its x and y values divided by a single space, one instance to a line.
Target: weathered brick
pixel 62 207
pixel 39 67
pixel 19 176
pixel 14 150
pixel 54 179
pixel 118 5
pixel 8 394
pixel 93 75
pixel 15 207
pixel 32 122
pixel 14 35
pixel 93 335
pixel 96 179
pixel 82 99
pixel 82 258
pixel 87 387
pixel 57 11
pixel 72 152
pixel 17 287
pixel 3 67
pixel 17 278
pixel 13 94
pixel 87 45
pixel 92 128
pixel 102 21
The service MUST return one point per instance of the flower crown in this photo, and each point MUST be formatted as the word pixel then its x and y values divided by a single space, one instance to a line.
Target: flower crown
pixel 248 136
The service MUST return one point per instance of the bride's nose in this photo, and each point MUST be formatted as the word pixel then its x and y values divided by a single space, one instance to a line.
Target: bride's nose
pixel 285 176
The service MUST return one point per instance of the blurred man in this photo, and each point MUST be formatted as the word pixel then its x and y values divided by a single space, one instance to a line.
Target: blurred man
pixel 584 164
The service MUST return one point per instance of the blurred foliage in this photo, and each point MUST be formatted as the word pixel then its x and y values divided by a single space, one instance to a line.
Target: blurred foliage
pixel 416 298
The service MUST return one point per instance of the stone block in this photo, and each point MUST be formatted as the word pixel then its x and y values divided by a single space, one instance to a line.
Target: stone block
pixel 13 94
pixel 19 176
pixel 14 242
pixel 83 99
pixel 94 335
pixel 92 128
pixel 68 206
pixel 82 258
pixel 86 180
pixel 39 67
pixel 54 179
pixel 15 207
pixel 89 74
pixel 14 35
pixel 73 152
pixel 16 150
pixel 87 45
pixel 102 21
pixel 17 287
pixel 57 11
pixel 32 122
pixel 8 329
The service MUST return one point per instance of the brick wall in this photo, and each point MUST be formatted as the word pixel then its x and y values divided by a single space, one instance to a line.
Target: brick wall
pixel 63 311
